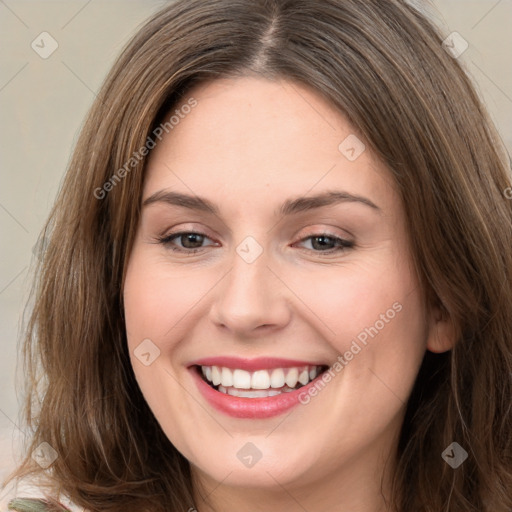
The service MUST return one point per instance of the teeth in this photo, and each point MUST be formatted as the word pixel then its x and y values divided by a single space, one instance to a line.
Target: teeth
pixel 261 383
pixel 256 393
pixel 304 377
pixel 216 375
pixel 277 378
pixel 253 394
pixel 226 377
pixel 260 380
pixel 207 372
pixel 241 379
pixel 292 377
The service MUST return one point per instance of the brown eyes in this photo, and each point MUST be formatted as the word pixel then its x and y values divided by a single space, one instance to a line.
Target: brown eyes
pixel 192 242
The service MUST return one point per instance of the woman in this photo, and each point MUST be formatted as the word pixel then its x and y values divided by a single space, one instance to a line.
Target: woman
pixel 277 276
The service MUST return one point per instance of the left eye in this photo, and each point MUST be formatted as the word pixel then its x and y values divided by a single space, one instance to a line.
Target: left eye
pixel 322 243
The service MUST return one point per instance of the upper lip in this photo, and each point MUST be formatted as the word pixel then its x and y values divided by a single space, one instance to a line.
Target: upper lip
pixel 253 364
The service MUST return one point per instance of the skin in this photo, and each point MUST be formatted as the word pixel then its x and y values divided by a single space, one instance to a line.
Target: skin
pixel 248 146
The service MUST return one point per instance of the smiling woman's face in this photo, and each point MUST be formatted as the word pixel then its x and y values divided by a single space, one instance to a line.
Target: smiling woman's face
pixel 272 288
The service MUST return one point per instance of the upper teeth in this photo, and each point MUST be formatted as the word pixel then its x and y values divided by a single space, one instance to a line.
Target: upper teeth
pixel 260 379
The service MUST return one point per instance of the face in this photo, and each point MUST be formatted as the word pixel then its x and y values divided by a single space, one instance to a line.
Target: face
pixel 274 320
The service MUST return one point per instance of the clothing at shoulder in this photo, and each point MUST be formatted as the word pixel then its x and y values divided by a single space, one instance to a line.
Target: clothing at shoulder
pixel 34 505
pixel 32 495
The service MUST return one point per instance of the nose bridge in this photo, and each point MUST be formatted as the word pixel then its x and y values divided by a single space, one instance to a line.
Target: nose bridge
pixel 250 295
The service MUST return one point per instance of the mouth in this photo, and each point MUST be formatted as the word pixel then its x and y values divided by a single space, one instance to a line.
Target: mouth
pixel 255 388
pixel 262 383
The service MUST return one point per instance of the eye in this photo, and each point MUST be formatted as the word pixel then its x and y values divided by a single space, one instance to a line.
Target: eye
pixel 191 241
pixel 327 243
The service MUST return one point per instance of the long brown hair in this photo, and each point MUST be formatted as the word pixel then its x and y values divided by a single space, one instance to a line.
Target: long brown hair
pixel 382 65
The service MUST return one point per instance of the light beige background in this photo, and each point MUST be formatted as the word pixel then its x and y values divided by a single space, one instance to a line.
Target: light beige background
pixel 43 102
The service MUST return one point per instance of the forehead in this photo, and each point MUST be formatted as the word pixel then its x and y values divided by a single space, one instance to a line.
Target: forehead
pixel 252 140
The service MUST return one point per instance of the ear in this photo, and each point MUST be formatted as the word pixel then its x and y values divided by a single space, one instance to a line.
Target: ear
pixel 442 333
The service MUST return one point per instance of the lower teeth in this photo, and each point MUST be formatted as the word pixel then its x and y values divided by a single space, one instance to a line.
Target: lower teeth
pixel 253 393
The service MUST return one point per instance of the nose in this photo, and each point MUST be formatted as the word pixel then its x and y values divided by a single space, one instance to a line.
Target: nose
pixel 251 299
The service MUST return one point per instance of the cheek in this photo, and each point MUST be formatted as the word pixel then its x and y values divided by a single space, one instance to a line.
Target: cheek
pixel 154 303
pixel 349 299
pixel 158 302
pixel 158 298
pixel 373 316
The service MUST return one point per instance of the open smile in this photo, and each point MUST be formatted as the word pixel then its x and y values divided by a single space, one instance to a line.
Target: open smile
pixel 254 388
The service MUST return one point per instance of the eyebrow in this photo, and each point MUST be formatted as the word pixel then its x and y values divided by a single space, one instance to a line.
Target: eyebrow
pixel 289 207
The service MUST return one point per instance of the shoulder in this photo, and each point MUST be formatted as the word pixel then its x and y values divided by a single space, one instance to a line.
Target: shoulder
pixel 34 505
pixel 34 496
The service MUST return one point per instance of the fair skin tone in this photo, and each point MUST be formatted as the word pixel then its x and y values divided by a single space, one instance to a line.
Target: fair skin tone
pixel 247 147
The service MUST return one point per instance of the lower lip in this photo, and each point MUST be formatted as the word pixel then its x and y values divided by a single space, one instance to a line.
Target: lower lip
pixel 256 408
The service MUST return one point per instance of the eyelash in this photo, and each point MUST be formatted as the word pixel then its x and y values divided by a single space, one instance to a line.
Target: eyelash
pixel 343 244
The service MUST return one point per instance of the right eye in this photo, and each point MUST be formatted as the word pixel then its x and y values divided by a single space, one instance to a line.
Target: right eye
pixel 190 241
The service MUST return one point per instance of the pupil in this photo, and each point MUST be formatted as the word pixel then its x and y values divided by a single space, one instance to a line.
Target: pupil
pixel 324 240
pixel 193 238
